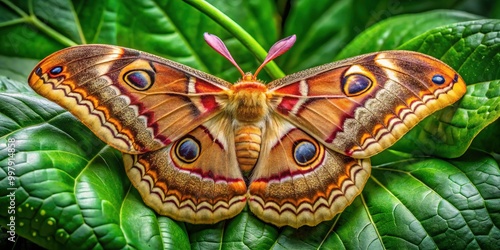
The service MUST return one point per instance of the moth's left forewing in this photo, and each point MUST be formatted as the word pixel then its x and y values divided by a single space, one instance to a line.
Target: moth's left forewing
pixel 362 105
pixel 132 100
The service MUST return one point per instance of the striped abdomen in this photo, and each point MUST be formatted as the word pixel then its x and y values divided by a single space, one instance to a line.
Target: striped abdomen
pixel 247 140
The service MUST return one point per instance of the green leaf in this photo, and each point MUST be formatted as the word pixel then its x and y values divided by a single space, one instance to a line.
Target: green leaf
pixel 445 199
pixel 483 140
pixel 8 85
pixel 393 32
pixel 144 229
pixel 16 68
pixel 22 30
pixel 321 30
pixel 96 20
pixel 245 231
pixel 324 28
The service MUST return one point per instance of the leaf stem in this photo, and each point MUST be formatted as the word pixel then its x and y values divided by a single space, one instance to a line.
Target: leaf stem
pixel 51 32
pixel 13 22
pixel 238 32
pixel 15 8
pixel 31 18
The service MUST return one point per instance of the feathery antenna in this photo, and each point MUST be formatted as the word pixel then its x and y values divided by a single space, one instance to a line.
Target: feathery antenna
pixel 276 50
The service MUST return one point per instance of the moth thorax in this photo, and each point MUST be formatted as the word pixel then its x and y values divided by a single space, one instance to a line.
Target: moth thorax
pixel 248 139
pixel 249 101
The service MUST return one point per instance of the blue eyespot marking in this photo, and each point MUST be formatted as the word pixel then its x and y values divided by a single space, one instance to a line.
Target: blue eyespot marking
pixel 304 152
pixel 188 150
pixel 438 79
pixel 139 79
pixel 38 71
pixel 356 84
pixel 56 70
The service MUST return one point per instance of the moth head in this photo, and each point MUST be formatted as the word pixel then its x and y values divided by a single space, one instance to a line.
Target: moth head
pixel 276 50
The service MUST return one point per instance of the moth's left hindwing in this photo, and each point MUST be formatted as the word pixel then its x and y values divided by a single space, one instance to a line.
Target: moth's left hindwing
pixel 362 105
pixel 195 179
pixel 134 101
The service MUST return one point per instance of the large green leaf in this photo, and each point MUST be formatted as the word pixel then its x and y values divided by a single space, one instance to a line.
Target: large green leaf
pixel 391 33
pixel 71 189
pixel 325 27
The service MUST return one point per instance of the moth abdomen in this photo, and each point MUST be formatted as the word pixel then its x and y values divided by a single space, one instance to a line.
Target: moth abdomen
pixel 248 141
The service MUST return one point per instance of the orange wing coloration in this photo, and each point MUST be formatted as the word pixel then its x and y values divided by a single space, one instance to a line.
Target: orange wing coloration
pixel 132 100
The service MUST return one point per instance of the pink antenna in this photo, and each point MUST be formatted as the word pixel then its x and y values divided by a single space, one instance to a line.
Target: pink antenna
pixel 276 50
pixel 219 46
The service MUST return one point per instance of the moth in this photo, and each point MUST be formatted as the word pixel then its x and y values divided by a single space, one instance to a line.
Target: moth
pixel 199 149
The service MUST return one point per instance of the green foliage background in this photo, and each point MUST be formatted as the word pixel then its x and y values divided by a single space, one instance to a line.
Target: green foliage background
pixel 438 187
